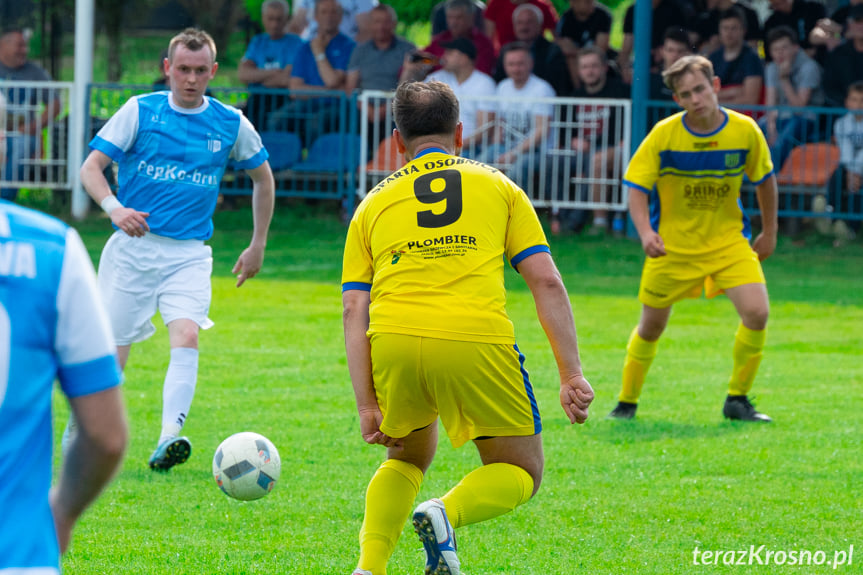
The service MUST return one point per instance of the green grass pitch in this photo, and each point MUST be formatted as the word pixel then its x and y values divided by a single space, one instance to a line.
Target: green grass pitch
pixel 618 497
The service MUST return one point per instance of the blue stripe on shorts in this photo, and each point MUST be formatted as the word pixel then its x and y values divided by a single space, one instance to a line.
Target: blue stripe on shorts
pixel 534 408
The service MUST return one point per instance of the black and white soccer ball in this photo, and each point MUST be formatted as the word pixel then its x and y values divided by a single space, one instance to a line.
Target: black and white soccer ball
pixel 246 466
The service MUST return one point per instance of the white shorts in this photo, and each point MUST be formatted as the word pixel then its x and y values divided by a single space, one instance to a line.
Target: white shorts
pixel 137 276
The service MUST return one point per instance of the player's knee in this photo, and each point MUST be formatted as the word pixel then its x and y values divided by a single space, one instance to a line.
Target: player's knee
pixel 756 319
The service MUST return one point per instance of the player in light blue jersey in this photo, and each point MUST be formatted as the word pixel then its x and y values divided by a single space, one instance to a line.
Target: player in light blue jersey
pixel 172 149
pixel 52 326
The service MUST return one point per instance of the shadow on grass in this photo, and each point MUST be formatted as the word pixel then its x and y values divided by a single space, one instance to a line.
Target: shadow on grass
pixel 640 431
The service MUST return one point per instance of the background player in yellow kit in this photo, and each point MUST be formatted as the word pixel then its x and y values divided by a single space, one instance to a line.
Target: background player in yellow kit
pixel 427 333
pixel 696 235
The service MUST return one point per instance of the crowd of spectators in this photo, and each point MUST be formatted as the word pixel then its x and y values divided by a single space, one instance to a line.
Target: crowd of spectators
pixel 798 56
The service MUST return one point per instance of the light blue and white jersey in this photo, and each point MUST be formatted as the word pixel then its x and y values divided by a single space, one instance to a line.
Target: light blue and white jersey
pixel 52 325
pixel 171 159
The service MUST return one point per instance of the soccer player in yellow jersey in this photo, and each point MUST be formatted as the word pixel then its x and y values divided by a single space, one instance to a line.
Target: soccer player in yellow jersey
pixel 696 235
pixel 427 334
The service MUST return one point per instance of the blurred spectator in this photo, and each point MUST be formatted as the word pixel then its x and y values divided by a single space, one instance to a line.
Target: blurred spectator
pixel 161 82
pixel 377 65
pixel 438 16
pixel 355 23
pixel 320 64
pixel 268 62
pixel 675 45
pixel 707 24
pixel 799 15
pixel 666 14
pixel 25 121
pixel 844 65
pixel 459 21
pixel 847 181
pixel 499 23
pixel 522 131
pixel 585 24
pixel 548 60
pixel 738 67
pixel 792 79
pixel 596 141
pixel 829 32
pixel 470 86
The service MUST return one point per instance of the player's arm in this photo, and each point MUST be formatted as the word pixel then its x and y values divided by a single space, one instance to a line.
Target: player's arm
pixel 355 319
pixel 93 457
pixel 263 199
pixel 639 211
pixel 555 314
pixel 249 73
pixel 89 376
pixel 767 193
pixel 93 179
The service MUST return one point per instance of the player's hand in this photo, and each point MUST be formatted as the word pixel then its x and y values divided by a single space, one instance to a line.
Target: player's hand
pixel 131 221
pixel 653 245
pixel 575 397
pixel 764 245
pixel 248 264
pixel 370 427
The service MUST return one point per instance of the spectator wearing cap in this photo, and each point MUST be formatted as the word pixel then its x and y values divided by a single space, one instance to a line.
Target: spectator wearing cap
pixel 471 87
pixel 738 67
pixel 459 21
pixel 549 63
pixel 844 65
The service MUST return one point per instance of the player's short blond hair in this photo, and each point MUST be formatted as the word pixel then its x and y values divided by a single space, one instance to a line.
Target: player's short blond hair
pixel 194 39
pixel 691 64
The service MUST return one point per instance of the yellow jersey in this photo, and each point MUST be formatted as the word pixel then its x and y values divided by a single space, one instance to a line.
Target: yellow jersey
pixel 429 243
pixel 697 178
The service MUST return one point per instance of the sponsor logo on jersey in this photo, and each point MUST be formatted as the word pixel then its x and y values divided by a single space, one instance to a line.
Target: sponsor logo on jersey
pixel 176 173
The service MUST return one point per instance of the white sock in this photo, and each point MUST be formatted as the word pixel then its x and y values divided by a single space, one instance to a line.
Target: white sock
pixel 178 391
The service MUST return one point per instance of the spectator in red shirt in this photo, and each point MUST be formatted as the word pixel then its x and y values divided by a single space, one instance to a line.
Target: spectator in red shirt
pixel 498 19
pixel 459 22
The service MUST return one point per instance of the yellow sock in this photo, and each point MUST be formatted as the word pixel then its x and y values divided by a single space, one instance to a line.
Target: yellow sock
pixel 389 500
pixel 639 356
pixel 748 350
pixel 487 492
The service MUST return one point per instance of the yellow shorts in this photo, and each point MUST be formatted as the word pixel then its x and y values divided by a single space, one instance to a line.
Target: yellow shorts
pixel 477 389
pixel 669 279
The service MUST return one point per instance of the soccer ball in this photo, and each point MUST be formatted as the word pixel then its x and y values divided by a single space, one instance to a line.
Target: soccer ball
pixel 246 466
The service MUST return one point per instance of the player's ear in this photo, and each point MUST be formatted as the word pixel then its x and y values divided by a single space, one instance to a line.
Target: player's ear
pixel 215 67
pixel 166 65
pixel 400 143
pixel 459 140
pixel 717 84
